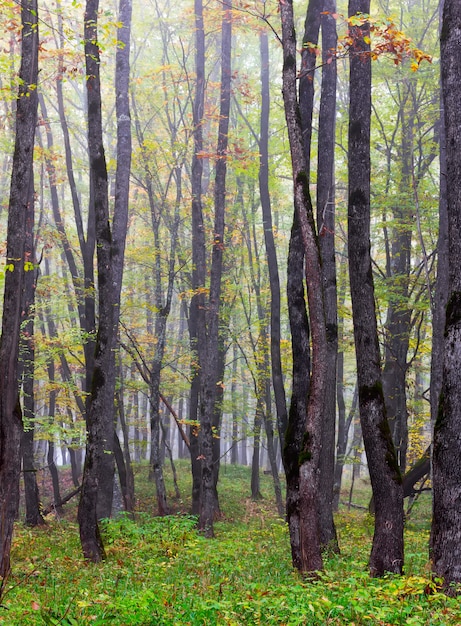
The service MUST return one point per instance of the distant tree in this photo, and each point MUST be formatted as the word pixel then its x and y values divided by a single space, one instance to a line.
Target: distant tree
pixel 21 193
pixel 446 527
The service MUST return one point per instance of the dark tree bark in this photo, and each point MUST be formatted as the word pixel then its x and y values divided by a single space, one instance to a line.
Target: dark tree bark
pixel 27 367
pixel 98 473
pixel 98 476
pixel 300 340
pixel 271 252
pixel 20 194
pixel 387 550
pixel 123 460
pixel 208 349
pixel 441 286
pixel 446 462
pixel 326 230
pixel 85 298
pixel 197 304
pixel 309 458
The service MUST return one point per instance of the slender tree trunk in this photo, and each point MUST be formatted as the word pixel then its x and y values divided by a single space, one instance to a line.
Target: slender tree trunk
pixel 21 191
pixel 446 462
pixel 271 252
pixel 255 460
pixel 124 464
pixel 197 304
pixel 326 230
pixel 300 341
pixel 209 327
pixel 27 367
pixel 387 550
pixel 98 473
pixel 441 287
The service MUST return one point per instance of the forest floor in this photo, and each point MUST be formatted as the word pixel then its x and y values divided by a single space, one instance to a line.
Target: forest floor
pixel 160 571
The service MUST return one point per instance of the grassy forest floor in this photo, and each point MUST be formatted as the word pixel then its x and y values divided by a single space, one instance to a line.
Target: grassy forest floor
pixel 159 571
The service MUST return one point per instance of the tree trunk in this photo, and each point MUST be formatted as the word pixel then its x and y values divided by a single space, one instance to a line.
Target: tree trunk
pixel 27 367
pixel 309 458
pixel 197 303
pixel 446 462
pixel 326 230
pixel 271 252
pixel 97 485
pixel 387 550
pixel 300 341
pixel 208 332
pixel 21 191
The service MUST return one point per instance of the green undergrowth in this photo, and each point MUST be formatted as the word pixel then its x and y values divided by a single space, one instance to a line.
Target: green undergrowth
pixel 160 571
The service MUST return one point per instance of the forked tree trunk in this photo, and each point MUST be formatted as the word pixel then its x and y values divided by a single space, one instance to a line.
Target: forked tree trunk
pixel 309 458
pixel 387 550
pixel 97 483
pixel 20 194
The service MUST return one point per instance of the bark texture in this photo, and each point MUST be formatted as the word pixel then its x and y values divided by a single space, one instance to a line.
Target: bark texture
pixel 97 485
pixel 209 348
pixel 309 457
pixel 20 194
pixel 326 230
pixel 387 549
pixel 446 463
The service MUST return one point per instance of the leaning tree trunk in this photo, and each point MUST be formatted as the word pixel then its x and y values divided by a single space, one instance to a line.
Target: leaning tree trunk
pixel 387 550
pixel 20 194
pixel 446 462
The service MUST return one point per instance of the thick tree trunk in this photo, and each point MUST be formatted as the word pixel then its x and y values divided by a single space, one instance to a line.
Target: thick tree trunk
pixel 20 194
pixel 446 463
pixel 309 458
pixel 387 550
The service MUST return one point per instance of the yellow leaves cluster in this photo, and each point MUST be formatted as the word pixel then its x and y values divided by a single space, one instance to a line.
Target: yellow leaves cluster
pixel 384 39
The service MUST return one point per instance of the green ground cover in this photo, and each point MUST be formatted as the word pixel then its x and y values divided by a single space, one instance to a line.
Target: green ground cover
pixel 159 571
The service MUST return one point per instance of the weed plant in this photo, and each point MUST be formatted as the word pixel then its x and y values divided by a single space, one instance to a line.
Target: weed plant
pixel 160 571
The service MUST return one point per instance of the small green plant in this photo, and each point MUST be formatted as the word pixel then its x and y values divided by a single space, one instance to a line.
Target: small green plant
pixel 161 571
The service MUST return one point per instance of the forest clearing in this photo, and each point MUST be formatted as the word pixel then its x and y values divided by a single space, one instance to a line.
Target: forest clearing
pixel 161 572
